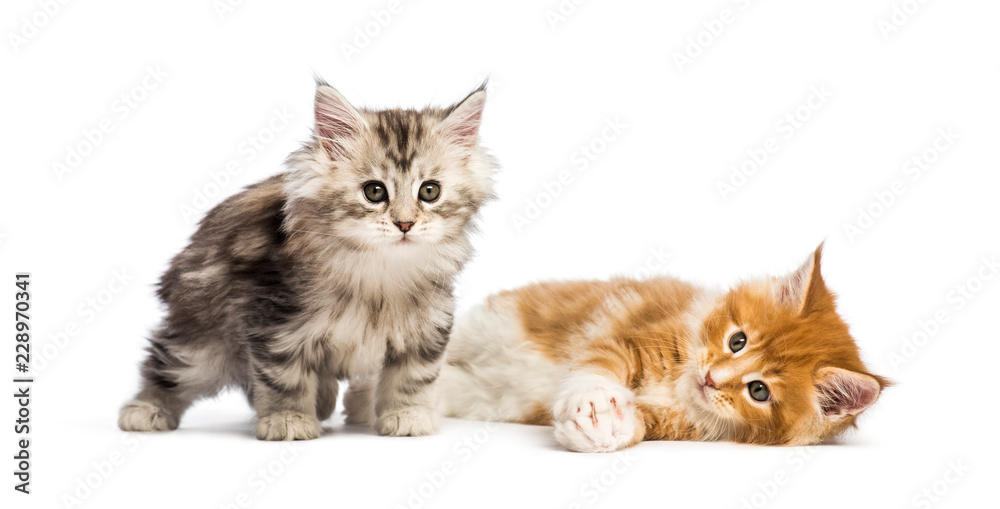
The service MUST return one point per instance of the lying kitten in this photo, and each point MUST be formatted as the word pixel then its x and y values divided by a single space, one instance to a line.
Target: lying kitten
pixel 613 363
pixel 341 267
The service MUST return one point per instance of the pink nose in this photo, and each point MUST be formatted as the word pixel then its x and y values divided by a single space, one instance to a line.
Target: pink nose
pixel 708 380
pixel 404 227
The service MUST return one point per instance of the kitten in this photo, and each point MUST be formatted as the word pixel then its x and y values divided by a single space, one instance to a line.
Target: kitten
pixel 614 363
pixel 341 267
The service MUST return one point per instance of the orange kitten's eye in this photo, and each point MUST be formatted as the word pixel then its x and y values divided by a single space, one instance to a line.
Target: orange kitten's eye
pixel 737 341
pixel 758 391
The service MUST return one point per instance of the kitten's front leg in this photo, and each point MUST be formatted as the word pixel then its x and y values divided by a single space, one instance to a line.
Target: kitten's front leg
pixel 285 399
pixel 403 402
pixel 595 413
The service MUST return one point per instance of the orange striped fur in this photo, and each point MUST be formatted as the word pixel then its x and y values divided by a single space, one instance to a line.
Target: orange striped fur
pixel 611 363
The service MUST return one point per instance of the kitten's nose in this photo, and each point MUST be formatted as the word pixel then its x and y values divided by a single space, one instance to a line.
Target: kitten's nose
pixel 708 380
pixel 404 226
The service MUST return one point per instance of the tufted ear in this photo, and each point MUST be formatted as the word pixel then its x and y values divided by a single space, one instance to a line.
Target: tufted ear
pixel 804 289
pixel 462 123
pixel 841 392
pixel 337 122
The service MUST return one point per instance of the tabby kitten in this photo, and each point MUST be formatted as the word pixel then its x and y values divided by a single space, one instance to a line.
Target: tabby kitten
pixel 341 267
pixel 614 363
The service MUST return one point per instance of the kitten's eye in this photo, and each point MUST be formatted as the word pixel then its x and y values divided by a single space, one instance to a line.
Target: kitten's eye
pixel 737 341
pixel 429 191
pixel 375 192
pixel 758 391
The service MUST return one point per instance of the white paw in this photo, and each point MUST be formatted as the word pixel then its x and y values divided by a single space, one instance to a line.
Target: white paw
pixel 143 416
pixel 412 421
pixel 288 426
pixel 594 414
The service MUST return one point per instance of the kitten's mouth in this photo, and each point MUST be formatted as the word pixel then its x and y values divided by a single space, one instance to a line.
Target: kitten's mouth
pixel 703 391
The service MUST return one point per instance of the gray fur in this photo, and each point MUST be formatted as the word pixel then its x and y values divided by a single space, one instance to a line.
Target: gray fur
pixel 299 281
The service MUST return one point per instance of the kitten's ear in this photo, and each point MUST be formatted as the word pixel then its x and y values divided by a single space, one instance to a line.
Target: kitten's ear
pixel 804 289
pixel 841 392
pixel 337 122
pixel 461 125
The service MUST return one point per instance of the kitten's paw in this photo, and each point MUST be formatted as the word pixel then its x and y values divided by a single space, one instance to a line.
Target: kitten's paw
pixel 358 405
pixel 144 416
pixel 288 426
pixel 412 422
pixel 594 414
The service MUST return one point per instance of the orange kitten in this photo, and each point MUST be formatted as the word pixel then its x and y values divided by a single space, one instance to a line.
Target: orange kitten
pixel 612 363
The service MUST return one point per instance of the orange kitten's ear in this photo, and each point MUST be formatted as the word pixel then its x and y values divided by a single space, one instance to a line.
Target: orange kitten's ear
pixel 841 392
pixel 337 122
pixel 804 289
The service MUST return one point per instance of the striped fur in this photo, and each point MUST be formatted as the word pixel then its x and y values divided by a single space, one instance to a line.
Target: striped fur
pixel 300 281
pixel 612 363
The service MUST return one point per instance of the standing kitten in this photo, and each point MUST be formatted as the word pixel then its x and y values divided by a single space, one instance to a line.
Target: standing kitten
pixel 614 363
pixel 341 267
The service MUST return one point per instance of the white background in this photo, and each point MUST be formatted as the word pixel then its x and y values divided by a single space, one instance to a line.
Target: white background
pixel 652 189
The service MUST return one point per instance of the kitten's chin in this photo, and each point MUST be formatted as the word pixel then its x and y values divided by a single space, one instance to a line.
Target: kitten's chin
pixel 701 401
pixel 405 245
pixel 411 240
pixel 406 242
pixel 699 398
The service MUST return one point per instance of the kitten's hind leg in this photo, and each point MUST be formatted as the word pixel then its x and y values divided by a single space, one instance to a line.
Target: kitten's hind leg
pixel 326 398
pixel 359 402
pixel 149 411
pixel 168 389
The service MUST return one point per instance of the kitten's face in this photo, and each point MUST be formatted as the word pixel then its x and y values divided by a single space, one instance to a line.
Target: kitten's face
pixel 395 181
pixel 407 184
pixel 775 364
